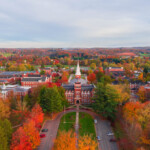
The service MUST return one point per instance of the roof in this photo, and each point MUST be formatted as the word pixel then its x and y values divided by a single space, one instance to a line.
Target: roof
pixel 87 87
pixel 84 87
pixel 82 81
pixel 68 86
pixel 34 79
pixel 78 73
pixel 126 54
pixel 34 75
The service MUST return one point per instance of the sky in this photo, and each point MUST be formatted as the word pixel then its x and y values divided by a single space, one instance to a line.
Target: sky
pixel 74 23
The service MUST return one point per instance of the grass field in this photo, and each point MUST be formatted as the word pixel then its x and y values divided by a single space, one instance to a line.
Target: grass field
pixel 147 55
pixel 67 122
pixel 86 124
pixel 6 54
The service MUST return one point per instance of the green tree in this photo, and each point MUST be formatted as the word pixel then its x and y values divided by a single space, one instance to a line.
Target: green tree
pixel 42 72
pixel 50 99
pixel 6 125
pixel 5 134
pixel 61 91
pixel 3 140
pixel 104 98
pixel 99 75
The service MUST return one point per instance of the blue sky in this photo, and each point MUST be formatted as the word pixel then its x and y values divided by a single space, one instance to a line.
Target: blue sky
pixel 74 23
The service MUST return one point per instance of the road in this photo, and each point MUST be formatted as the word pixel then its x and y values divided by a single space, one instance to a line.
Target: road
pixel 102 128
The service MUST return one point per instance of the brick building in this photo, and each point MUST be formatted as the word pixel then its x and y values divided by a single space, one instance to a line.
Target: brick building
pixel 34 80
pixel 78 90
pixel 115 71
pixel 16 90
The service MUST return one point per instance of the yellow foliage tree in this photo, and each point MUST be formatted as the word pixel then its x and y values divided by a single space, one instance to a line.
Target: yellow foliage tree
pixel 87 143
pixel 123 92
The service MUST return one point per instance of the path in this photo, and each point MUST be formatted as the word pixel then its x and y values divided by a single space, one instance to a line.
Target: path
pixel 77 124
pixel 102 128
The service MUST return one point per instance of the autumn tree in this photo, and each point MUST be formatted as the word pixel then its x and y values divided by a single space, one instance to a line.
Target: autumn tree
pixel 20 140
pixel 65 141
pixel 87 143
pixel 91 77
pixel 123 93
pixel 32 132
pixel 93 66
pixel 4 109
pixel 142 93
pixel 143 115
pixel 130 111
pixel 37 115
pixel 145 137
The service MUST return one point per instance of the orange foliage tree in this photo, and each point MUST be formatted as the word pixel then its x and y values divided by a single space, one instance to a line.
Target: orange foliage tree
pixel 37 115
pixel 65 141
pixel 131 111
pixel 87 143
pixel 32 133
pixel 142 93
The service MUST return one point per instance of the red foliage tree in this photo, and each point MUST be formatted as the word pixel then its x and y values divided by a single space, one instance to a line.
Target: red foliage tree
pixel 91 77
pixel 20 140
pixel 37 115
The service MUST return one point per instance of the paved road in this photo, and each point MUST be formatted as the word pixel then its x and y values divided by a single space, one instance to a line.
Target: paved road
pixel 102 128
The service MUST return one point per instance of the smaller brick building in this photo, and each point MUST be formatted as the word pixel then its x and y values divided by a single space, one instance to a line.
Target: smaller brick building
pixel 34 80
pixel 115 71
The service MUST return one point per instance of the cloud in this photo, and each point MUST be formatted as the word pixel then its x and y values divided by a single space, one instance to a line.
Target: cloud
pixel 74 22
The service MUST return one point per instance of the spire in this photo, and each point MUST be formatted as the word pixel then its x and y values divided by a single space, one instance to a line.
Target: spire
pixel 78 73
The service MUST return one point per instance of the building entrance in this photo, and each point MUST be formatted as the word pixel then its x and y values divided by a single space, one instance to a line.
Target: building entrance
pixel 77 102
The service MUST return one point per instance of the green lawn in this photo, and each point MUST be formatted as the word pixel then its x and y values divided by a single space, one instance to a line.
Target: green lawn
pixel 6 54
pixel 67 122
pixel 86 124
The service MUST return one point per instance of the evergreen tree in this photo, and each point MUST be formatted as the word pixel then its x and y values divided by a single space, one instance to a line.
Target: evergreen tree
pixel 104 98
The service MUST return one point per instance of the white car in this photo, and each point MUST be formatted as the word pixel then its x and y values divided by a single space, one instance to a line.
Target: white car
pixel 110 133
pixel 98 138
pixel 95 121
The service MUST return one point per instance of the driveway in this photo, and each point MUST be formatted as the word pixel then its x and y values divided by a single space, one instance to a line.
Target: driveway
pixel 102 128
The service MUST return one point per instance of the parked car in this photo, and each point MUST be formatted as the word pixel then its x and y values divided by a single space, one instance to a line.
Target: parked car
pixel 44 130
pixel 98 138
pixel 95 121
pixel 112 140
pixel 110 133
pixel 42 135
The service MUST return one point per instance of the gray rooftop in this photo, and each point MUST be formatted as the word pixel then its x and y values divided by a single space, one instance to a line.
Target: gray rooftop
pixel 83 81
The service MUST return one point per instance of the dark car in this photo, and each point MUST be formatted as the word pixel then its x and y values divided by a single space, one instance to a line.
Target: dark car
pixel 44 130
pixel 112 140
pixel 42 135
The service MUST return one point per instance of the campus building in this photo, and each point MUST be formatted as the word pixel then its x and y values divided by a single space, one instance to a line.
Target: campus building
pixel 78 90
pixel 34 80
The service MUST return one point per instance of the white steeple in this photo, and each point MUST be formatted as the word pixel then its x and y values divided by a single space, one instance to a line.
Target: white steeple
pixel 78 73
